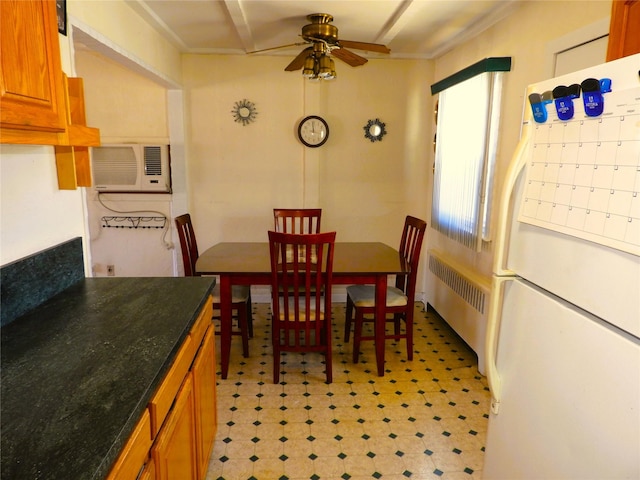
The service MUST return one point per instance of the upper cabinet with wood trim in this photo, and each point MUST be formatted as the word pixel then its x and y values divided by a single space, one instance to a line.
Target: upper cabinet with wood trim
pixel 38 105
pixel 72 160
pixel 33 103
pixel 624 29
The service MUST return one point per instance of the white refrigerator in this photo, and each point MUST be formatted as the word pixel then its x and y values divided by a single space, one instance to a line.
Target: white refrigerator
pixel 563 338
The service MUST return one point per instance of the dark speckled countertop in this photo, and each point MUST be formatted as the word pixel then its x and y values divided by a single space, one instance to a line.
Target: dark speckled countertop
pixel 78 371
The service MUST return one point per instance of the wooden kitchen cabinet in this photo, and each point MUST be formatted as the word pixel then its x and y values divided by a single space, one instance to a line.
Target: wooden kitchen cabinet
pixel 40 106
pixel 72 161
pixel 624 29
pixel 204 380
pixel 135 453
pixel 164 397
pixel 149 472
pixel 31 88
pixel 174 452
pixel 181 418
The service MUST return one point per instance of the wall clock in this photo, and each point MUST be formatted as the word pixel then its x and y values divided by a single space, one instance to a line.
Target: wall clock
pixel 313 131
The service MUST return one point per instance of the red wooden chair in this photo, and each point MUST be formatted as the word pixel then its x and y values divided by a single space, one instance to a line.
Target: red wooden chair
pixel 301 264
pixel 241 295
pixel 297 220
pixel 301 220
pixel 400 299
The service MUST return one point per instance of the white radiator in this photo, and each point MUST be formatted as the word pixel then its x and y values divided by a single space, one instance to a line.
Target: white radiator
pixel 461 297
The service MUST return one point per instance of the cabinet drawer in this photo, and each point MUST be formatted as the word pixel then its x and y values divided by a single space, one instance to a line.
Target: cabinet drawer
pixel 164 397
pixel 202 323
pixel 149 472
pixel 135 452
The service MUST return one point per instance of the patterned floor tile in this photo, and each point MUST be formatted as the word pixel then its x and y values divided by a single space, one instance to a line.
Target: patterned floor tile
pixel 425 419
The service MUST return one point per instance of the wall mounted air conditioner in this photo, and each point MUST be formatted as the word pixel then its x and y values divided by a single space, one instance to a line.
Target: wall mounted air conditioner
pixel 131 168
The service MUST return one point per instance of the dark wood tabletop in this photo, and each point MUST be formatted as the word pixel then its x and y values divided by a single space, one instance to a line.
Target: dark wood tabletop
pixel 350 259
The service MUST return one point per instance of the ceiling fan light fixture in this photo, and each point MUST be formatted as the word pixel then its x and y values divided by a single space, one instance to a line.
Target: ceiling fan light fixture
pixel 324 66
pixel 316 60
pixel 309 69
pixel 333 70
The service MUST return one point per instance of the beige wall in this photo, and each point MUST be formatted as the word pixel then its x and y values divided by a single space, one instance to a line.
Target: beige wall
pixel 126 106
pixel 34 213
pixel 118 25
pixel 238 174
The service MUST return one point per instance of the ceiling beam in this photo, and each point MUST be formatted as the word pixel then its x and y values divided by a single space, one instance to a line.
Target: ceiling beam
pixel 149 15
pixel 396 23
pixel 239 19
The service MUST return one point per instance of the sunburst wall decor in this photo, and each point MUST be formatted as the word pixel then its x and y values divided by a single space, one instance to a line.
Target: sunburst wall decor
pixel 244 112
pixel 374 130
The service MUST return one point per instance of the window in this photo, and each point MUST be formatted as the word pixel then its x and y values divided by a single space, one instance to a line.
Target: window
pixel 466 140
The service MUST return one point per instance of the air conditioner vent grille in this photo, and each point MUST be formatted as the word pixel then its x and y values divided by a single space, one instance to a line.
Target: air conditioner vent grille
pixel 115 166
pixel 152 160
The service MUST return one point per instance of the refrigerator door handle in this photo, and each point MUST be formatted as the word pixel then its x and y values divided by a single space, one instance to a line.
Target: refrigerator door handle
pixel 501 273
pixel 505 207
pixel 493 332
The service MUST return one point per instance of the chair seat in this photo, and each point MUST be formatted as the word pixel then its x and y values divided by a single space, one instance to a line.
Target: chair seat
pixel 239 294
pixel 365 296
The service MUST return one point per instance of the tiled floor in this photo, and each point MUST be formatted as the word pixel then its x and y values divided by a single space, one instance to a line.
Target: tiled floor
pixel 424 419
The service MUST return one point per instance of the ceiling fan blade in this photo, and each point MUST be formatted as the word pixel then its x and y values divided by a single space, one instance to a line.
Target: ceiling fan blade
pixel 298 62
pixel 277 48
pixel 369 47
pixel 348 57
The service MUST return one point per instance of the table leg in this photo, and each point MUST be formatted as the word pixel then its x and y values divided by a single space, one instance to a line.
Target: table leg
pixel 225 323
pixel 381 301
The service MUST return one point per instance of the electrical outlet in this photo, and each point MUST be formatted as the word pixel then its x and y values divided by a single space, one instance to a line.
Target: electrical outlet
pixel 111 270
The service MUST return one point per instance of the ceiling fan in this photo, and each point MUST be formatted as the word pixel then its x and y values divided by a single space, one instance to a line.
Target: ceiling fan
pixel 315 60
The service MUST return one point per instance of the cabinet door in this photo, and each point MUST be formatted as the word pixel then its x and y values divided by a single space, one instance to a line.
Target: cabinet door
pixel 624 29
pixel 204 379
pixel 31 89
pixel 174 452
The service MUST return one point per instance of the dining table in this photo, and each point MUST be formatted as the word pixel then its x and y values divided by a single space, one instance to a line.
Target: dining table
pixel 248 263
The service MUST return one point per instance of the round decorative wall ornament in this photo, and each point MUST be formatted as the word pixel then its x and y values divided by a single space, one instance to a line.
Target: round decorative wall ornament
pixel 244 112
pixel 374 130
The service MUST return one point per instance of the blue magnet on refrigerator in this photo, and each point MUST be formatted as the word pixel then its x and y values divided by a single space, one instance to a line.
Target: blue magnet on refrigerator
pixel 574 91
pixel 538 108
pixel 564 102
pixel 592 90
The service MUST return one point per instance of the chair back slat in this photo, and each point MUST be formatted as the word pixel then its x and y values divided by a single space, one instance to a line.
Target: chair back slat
pixel 410 247
pixel 301 220
pixel 188 244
